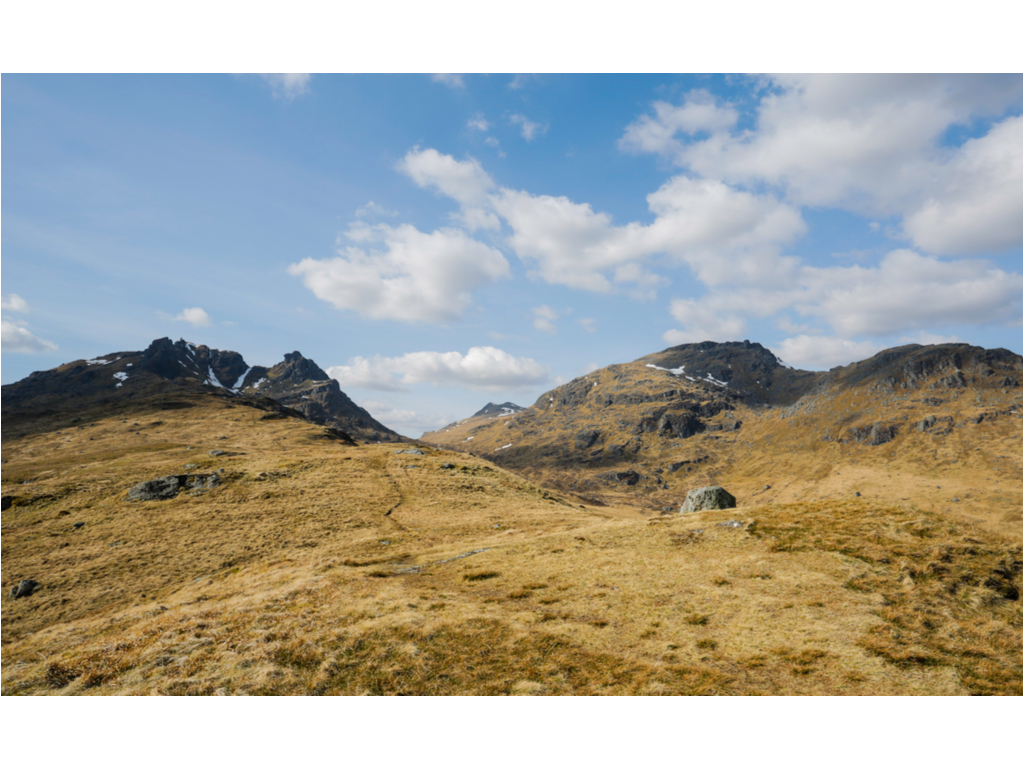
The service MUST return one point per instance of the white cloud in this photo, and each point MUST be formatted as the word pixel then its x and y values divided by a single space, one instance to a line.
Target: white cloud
pixel 519 81
pixel 491 141
pixel 909 292
pixel 544 317
pixel 703 323
pixel 371 211
pixel 465 181
pixel 976 203
pixel 452 81
pixel 194 316
pixel 588 324
pixel 486 368
pixel 657 134
pixel 15 337
pixel 412 276
pixel 872 144
pixel 12 302
pixel 529 129
pixel 478 123
pixel 819 353
pixel 287 86
pixel 403 420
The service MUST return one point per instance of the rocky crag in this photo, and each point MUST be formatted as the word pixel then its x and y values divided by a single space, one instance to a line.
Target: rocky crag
pixel 167 367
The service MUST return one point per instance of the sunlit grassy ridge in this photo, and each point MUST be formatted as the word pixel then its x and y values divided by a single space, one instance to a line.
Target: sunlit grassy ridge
pixel 319 567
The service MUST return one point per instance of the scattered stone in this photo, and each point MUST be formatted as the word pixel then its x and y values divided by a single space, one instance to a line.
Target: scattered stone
pixel 731 524
pixel 857 494
pixel 446 465
pixel 767 487
pixel 218 452
pixel 629 478
pixel 411 466
pixel 956 499
pixel 168 487
pixel 708 497
pixel 78 526
pixel 190 466
pixel 24 589
pixel 413 452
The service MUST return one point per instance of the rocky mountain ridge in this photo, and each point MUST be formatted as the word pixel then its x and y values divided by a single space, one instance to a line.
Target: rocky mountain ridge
pixel 296 383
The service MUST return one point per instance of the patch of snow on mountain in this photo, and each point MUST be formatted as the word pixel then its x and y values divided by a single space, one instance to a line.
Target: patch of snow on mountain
pixel 121 377
pixel 708 377
pixel 674 371
pixel 505 446
pixel 238 382
pixel 99 361
pixel 469 438
pixel 211 378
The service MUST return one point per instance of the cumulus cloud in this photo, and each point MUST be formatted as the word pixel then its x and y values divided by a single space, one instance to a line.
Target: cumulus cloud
pixel 871 144
pixel 287 86
pixel 529 129
pixel 975 204
pixel 486 368
pixel 544 317
pixel 403 420
pixel 410 276
pixel 478 123
pixel 465 181
pixel 452 81
pixel 703 323
pixel 819 353
pixel 908 292
pixel 15 337
pixel 194 316
pixel 589 324
pixel 12 302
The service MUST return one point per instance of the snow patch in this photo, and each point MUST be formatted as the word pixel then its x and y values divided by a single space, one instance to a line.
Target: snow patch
pixel 101 361
pixel 469 438
pixel 674 371
pixel 505 446
pixel 121 377
pixel 238 382
pixel 211 378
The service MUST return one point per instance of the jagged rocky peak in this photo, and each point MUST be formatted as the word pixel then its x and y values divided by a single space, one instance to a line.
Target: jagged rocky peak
pixel 183 359
pixel 296 369
pixel 943 366
pixel 495 410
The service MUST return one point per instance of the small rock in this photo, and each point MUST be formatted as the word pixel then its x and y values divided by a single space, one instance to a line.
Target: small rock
pixel 414 452
pixel 955 499
pixel 25 588
pixel 78 526
pixel 217 452
pixel 411 466
pixel 731 524
pixel 190 466
pixel 447 466
pixel 767 487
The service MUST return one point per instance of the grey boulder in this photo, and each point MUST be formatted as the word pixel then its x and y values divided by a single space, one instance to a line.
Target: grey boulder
pixel 168 487
pixel 709 497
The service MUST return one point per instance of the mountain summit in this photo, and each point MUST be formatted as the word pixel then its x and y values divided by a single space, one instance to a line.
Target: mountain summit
pixel 296 382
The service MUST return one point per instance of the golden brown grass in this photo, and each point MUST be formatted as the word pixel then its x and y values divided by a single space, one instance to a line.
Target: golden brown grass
pixel 291 577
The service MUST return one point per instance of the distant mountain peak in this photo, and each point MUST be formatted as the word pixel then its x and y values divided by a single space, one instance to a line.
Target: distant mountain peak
pixel 493 409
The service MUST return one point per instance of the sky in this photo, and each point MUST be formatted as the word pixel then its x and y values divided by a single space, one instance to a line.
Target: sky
pixel 436 242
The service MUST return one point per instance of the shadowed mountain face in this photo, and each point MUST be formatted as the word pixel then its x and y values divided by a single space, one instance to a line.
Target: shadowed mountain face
pixel 167 367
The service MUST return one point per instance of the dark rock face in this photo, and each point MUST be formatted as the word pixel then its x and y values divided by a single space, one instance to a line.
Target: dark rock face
pixel 709 497
pixel 302 385
pixel 627 478
pixel 586 438
pixel 875 434
pixel 168 487
pixel 24 589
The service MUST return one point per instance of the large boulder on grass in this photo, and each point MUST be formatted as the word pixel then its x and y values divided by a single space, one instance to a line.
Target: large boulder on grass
pixel 709 497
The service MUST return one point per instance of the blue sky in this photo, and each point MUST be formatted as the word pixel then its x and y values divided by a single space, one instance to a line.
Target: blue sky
pixel 440 241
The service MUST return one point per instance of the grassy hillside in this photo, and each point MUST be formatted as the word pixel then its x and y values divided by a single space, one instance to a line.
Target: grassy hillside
pixel 317 566
pixel 943 444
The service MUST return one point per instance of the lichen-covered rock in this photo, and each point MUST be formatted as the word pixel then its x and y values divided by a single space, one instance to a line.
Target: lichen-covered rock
pixel 168 487
pixel 25 588
pixel 708 497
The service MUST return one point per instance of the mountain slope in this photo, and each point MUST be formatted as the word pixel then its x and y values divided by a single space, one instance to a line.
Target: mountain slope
pixel 938 425
pixel 315 566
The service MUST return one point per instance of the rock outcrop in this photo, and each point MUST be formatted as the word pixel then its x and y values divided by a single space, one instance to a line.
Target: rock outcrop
pixel 169 486
pixel 709 497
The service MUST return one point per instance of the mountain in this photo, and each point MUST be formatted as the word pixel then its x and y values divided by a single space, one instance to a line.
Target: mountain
pixel 174 536
pixel 943 420
pixel 494 411
pixel 167 367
